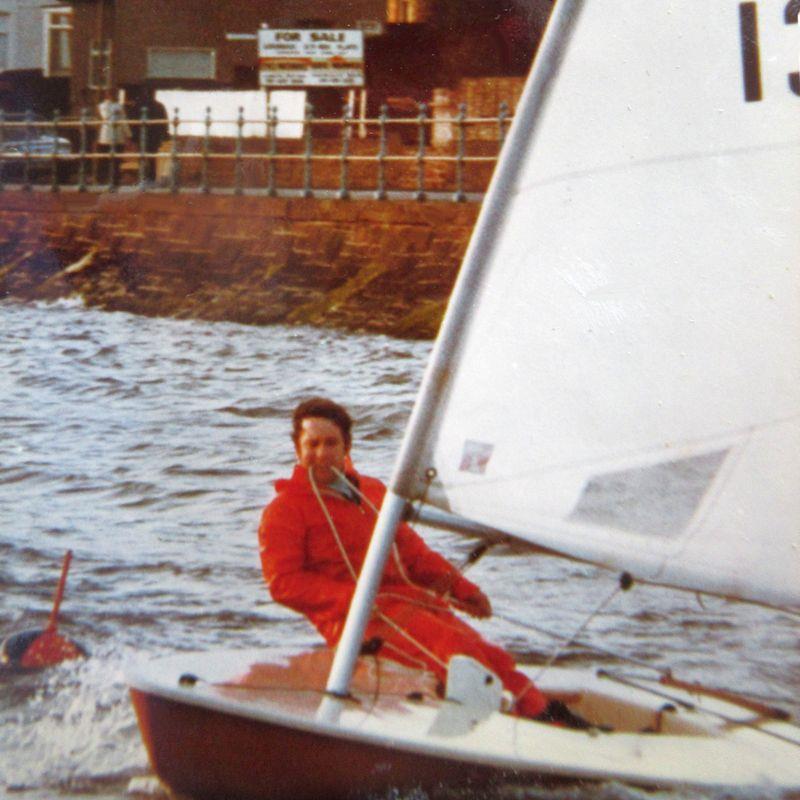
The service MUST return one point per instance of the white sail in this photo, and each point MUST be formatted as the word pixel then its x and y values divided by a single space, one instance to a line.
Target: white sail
pixel 627 390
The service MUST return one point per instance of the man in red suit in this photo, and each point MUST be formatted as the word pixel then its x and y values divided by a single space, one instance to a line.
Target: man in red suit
pixel 313 539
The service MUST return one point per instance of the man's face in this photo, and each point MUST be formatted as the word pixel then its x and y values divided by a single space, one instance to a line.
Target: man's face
pixel 321 447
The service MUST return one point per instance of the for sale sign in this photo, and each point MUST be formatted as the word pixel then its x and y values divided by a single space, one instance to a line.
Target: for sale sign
pixel 300 58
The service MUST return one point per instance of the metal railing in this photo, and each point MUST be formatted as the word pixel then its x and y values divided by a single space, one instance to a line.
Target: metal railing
pixel 442 155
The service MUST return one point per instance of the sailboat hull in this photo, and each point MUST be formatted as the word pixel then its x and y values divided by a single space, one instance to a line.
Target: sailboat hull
pixel 211 754
pixel 259 725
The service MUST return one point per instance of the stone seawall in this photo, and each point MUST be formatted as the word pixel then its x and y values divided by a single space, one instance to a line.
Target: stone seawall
pixel 362 265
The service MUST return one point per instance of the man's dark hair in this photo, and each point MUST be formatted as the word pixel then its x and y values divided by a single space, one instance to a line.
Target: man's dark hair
pixel 327 409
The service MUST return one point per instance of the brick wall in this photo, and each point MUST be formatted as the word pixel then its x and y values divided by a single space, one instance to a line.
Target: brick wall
pixel 373 266
pixel 482 98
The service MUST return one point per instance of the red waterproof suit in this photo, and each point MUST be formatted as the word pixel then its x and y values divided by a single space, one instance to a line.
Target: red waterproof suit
pixel 306 570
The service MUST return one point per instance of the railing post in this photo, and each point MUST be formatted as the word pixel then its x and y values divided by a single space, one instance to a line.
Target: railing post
pixel 142 149
pixel 502 125
pixel 54 162
pixel 82 140
pixel 272 135
pixel 459 195
pixel 2 140
pixel 380 193
pixel 238 171
pixel 174 165
pixel 112 153
pixel 343 193
pixel 309 147
pixel 421 119
pixel 26 182
pixel 206 188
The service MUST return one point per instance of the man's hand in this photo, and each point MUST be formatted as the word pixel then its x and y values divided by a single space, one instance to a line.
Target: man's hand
pixel 477 605
pixel 468 597
pixel 463 594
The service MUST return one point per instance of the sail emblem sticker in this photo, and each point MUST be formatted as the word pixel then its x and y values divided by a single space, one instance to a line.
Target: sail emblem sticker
pixel 475 457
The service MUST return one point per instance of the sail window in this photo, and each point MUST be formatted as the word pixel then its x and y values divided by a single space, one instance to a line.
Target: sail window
pixel 658 499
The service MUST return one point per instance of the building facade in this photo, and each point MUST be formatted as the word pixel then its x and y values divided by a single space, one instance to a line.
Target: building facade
pixel 35 55
pixel 411 46
pixel 189 44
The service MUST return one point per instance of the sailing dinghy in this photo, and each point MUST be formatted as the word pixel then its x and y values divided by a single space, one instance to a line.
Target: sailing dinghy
pixel 616 381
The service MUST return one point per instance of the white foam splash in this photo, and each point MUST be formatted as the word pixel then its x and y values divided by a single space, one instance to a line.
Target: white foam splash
pixel 71 725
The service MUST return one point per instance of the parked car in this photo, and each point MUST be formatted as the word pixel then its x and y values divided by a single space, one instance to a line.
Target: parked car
pixel 22 136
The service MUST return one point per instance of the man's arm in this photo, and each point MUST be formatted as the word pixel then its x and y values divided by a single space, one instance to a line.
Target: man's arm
pixel 427 568
pixel 281 538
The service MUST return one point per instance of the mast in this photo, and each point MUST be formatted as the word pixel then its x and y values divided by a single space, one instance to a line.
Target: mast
pixel 454 326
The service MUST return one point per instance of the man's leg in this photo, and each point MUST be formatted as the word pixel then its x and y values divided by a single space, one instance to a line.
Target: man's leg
pixel 417 636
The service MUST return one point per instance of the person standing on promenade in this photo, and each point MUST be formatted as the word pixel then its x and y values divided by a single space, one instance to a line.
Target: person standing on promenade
pixel 114 135
pixel 156 131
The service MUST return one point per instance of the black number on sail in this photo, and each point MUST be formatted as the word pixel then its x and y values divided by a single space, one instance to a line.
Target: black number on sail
pixel 791 15
pixel 751 59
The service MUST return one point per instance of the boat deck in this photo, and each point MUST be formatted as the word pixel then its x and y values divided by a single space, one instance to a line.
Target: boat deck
pixel 647 734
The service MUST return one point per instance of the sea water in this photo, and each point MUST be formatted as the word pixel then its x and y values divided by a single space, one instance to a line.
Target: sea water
pixel 149 446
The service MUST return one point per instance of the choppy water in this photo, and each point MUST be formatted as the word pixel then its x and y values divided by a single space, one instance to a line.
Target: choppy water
pixel 148 447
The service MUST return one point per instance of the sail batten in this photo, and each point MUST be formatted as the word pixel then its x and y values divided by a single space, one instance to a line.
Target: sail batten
pixel 625 388
pixel 787 146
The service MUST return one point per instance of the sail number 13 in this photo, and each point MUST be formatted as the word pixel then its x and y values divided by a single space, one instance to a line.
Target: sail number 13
pixel 751 57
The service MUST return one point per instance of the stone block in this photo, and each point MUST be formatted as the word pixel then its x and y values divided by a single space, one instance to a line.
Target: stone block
pixel 362 265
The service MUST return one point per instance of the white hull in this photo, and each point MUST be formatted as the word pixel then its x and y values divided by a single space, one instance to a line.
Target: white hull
pixel 660 736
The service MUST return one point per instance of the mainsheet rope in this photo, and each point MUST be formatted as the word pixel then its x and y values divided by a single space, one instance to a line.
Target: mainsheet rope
pixel 557 650
pixel 562 641
pixel 353 573
pixel 565 642
pixel 401 569
pixel 398 562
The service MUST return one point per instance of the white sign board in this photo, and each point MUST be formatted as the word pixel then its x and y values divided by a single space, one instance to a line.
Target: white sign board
pixel 303 58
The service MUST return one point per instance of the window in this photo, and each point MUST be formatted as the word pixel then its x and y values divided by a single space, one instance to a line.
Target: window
pixel 58 42
pixel 181 62
pixel 100 65
pixel 4 41
pixel 399 11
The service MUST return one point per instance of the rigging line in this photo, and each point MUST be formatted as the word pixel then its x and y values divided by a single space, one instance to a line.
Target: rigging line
pixel 663 673
pixel 389 621
pixel 349 564
pixel 473 557
pixel 376 694
pixel 755 725
pixel 395 552
pixel 331 524
pixel 404 658
pixel 583 643
pixel 591 646
pixel 406 635
pixel 566 642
